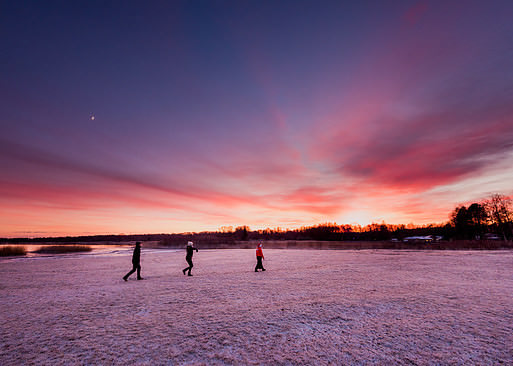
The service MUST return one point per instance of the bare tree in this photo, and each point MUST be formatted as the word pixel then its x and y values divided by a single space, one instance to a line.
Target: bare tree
pixel 500 213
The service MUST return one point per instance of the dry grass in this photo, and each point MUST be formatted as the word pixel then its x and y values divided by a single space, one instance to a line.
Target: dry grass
pixel 59 249
pixel 360 245
pixel 11 250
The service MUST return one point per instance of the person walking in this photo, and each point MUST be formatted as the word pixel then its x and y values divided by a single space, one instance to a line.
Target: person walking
pixel 190 250
pixel 260 258
pixel 136 262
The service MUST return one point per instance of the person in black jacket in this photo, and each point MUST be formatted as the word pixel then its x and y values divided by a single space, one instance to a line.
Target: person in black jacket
pixel 188 257
pixel 136 262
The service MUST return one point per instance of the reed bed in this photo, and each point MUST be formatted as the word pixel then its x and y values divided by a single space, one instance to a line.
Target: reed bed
pixel 12 250
pixel 60 249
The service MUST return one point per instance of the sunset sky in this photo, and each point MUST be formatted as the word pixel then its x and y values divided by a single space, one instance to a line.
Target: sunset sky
pixel 174 116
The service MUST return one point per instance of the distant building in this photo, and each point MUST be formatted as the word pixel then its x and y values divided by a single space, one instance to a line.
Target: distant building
pixel 422 239
pixel 418 239
pixel 491 236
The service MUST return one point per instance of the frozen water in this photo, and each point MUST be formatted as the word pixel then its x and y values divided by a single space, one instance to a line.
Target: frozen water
pixel 309 307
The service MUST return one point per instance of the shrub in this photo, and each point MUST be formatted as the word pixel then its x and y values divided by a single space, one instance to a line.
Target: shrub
pixel 59 249
pixel 9 250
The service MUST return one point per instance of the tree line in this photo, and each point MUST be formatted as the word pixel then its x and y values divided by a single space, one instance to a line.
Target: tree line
pixel 491 218
pixel 480 220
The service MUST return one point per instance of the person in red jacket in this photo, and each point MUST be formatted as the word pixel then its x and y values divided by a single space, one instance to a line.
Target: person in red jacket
pixel 260 257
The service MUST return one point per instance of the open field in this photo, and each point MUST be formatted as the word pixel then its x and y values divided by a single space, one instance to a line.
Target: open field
pixel 309 307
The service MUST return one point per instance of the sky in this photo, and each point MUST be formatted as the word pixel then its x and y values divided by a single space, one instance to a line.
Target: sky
pixel 178 116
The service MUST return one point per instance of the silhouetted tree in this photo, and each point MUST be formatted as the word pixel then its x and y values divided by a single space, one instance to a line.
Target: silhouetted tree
pixel 477 217
pixel 500 214
pixel 241 232
pixel 469 222
pixel 461 222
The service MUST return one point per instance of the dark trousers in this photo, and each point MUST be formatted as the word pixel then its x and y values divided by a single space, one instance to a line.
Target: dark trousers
pixel 259 264
pixel 137 267
pixel 189 262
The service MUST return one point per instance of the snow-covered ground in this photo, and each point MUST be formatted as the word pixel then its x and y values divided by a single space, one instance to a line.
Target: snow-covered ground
pixel 309 307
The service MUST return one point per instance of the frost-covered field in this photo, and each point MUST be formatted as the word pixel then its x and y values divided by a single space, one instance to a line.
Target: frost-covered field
pixel 309 307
